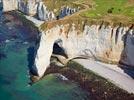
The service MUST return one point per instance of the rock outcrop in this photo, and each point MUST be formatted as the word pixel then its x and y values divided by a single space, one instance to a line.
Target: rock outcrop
pixel 66 11
pixel 101 43
pixel 30 7
pixel 43 13
pixel 9 5
pixel 36 8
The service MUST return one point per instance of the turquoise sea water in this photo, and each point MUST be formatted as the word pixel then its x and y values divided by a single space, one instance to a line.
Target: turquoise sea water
pixel 14 75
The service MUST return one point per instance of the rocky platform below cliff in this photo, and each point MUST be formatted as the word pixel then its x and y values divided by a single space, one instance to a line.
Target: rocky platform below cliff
pixel 115 75
pixel 98 87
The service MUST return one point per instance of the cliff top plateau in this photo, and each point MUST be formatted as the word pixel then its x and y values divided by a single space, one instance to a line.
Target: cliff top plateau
pixel 108 12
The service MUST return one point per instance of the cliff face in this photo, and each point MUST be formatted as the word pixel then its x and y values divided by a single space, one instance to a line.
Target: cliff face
pixel 36 8
pixel 29 7
pixel 43 13
pixel 101 43
pixel 9 5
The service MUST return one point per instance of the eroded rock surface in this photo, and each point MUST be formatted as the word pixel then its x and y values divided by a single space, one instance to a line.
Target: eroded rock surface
pixel 105 43
pixel 29 7
pixel 99 42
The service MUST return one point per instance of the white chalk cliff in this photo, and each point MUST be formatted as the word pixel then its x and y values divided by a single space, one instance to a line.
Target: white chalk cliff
pixel 29 7
pixel 105 43
pixel 95 41
pixel 43 13
pixel 9 5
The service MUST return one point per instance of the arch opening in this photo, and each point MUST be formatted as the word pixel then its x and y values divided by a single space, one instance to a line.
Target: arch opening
pixel 58 48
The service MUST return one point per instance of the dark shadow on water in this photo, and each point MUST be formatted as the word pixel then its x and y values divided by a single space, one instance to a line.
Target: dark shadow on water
pixel 31 57
pixel 1 8
pixel 2 55
pixel 7 79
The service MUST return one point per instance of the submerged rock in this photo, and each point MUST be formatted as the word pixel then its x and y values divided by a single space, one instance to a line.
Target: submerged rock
pixel 25 42
pixel 61 77
pixel 7 41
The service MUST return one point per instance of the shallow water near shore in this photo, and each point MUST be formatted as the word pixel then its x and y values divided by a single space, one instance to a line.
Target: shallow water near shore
pixel 14 72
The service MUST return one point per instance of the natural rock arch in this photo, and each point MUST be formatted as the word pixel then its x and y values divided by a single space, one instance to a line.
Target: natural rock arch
pixel 45 50
pixel 91 42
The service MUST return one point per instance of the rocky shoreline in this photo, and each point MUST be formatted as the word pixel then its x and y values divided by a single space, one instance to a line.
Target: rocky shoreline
pixel 97 87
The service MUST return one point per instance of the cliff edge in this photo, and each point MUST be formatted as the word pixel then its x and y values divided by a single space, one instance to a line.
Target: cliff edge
pixel 101 30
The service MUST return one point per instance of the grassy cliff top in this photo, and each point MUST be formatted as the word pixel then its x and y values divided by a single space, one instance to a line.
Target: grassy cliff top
pixel 111 12
pixel 56 5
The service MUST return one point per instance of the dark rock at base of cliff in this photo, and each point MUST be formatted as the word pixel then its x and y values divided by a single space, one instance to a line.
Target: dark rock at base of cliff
pixel 98 87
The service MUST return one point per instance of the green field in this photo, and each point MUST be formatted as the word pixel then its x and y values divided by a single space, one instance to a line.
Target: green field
pixel 118 8
pixel 112 12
